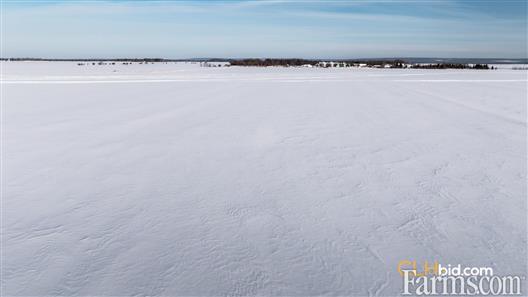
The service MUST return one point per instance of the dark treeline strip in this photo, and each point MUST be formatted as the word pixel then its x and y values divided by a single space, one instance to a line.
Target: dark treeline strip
pixel 396 63
pixel 272 62
pixel 451 66
pixel 377 62
pixel 300 62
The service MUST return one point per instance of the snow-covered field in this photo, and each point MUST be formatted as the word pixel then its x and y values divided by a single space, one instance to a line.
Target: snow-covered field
pixel 173 179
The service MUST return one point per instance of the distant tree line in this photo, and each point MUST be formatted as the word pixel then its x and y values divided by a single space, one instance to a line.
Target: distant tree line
pixel 272 62
pixel 293 62
pixel 397 63
pixel 451 66
pixel 301 62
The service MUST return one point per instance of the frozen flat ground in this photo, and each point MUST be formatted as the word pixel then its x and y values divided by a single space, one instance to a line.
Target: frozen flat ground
pixel 180 180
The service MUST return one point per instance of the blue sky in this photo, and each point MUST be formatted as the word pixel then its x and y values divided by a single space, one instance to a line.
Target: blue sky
pixel 265 28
